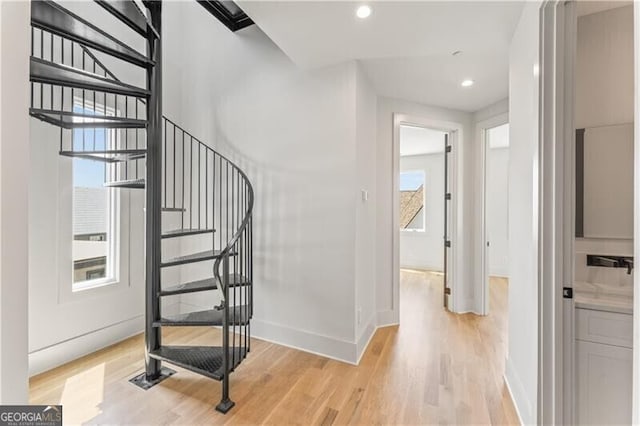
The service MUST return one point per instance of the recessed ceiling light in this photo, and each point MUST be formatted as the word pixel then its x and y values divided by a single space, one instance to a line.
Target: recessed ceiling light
pixel 363 12
pixel 466 83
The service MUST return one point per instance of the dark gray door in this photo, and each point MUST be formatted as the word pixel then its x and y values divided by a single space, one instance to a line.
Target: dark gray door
pixel 447 209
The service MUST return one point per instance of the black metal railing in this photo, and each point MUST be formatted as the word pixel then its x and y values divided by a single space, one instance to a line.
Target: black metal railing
pixel 211 192
pixel 92 122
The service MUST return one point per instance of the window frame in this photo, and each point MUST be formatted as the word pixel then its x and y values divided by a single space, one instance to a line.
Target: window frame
pixel 112 267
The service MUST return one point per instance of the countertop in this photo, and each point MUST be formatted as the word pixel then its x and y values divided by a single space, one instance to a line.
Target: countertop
pixel 602 297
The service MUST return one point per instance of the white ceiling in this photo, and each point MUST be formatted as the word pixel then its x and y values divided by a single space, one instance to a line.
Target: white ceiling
pixel 419 141
pixel 405 47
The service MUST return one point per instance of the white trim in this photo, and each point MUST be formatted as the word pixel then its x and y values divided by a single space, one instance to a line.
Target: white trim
pixel 516 390
pixel 455 131
pixel 636 249
pixel 482 281
pixel 388 318
pixel 45 359
pixel 556 360
pixel 306 341
pixel 365 338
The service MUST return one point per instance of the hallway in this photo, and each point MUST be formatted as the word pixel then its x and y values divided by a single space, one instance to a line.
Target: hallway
pixel 436 368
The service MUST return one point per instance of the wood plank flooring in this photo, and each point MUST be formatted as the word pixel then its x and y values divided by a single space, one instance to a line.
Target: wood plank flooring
pixel 436 368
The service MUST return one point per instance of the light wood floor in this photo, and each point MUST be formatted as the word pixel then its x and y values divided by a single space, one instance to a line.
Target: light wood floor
pixel 436 368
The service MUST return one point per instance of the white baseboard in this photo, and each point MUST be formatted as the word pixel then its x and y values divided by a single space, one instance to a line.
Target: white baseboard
pixel 45 359
pixel 306 341
pixel 466 306
pixel 365 337
pixel 387 318
pixel 430 268
pixel 500 273
pixel 518 393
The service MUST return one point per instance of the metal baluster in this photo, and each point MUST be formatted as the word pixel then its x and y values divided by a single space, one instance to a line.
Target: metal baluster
pixel 52 60
pixel 225 404
pixel 206 189
pixel 220 204
pixel 235 258
pixel 199 185
pixel 191 182
pixel 174 166
pixel 183 179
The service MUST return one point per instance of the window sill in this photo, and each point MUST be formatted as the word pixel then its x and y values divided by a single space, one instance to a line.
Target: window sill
pixel 92 284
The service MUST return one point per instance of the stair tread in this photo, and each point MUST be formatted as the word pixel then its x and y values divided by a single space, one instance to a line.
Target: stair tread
pixel 52 17
pixel 204 360
pixel 186 232
pixel 238 315
pixel 131 183
pixel 193 258
pixel 129 13
pixel 203 285
pixel 74 120
pixel 108 156
pixel 47 72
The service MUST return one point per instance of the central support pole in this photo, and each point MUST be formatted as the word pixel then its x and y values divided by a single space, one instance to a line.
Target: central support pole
pixel 153 195
pixel 154 373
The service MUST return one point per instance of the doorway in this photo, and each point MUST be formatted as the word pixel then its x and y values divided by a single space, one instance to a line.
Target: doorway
pixel 425 202
pixel 495 202
pixel 589 355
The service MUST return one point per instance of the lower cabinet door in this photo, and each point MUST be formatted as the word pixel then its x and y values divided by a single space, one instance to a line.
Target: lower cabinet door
pixel 604 383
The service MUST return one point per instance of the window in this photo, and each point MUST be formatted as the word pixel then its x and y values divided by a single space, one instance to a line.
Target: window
pixel 412 201
pixel 93 212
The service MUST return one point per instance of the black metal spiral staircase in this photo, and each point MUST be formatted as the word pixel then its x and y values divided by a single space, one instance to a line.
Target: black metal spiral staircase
pixel 208 195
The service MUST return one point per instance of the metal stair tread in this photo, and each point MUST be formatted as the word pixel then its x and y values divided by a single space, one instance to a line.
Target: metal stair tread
pixel 193 258
pixel 74 120
pixel 204 360
pixel 238 315
pixel 52 17
pixel 43 71
pixel 186 232
pixel 107 156
pixel 203 285
pixel 130 14
pixel 131 183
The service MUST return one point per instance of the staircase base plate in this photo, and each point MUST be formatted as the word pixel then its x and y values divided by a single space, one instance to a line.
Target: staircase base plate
pixel 225 406
pixel 143 382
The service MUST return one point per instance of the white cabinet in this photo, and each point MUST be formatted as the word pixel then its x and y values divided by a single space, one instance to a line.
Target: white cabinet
pixel 604 370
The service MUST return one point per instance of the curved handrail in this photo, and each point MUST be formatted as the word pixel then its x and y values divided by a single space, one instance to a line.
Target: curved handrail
pixel 248 213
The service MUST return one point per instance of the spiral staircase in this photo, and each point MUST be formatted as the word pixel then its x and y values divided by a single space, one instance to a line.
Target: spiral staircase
pixel 185 181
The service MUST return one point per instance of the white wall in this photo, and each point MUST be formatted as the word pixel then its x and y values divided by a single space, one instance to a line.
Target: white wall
pixel 636 242
pixel 604 54
pixel 387 307
pixel 304 140
pixel 424 250
pixel 365 210
pixel 14 169
pixel 522 362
